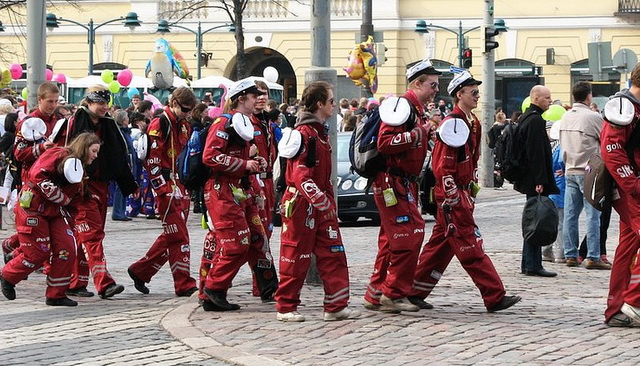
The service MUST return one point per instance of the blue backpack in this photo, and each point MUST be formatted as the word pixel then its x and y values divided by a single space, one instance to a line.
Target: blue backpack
pixel 191 170
pixel 363 147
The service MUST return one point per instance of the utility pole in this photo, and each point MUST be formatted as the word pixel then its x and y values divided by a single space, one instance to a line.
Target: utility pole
pixel 366 30
pixel 321 71
pixel 36 49
pixel 488 99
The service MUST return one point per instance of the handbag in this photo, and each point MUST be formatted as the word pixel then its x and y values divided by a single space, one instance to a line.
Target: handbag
pixel 540 221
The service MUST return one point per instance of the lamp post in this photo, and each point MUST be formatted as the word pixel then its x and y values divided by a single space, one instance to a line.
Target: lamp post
pixel 130 20
pixel 165 27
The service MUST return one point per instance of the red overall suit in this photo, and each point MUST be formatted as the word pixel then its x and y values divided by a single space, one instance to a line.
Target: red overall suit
pixel 26 152
pixel 230 200
pixel 624 285
pixel 455 169
pixel 401 224
pixel 44 226
pixel 167 137
pixel 306 229
pixel 264 139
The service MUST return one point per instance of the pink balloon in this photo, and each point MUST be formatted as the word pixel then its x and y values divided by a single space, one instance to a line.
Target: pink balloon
pixel 48 75
pixel 61 78
pixel 124 77
pixel 16 71
pixel 215 112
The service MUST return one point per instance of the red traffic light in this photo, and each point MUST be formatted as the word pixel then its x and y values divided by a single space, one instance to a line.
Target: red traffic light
pixel 467 58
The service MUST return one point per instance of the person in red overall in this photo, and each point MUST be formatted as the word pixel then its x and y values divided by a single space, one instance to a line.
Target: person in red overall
pixel 309 218
pixel 620 151
pixel 168 134
pixel 111 164
pixel 395 190
pixel 51 187
pixel 230 200
pixel 26 152
pixel 455 163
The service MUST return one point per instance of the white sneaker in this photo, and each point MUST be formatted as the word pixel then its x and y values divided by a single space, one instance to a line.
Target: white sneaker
pixel 293 316
pixel 343 314
pixel 631 311
pixel 402 304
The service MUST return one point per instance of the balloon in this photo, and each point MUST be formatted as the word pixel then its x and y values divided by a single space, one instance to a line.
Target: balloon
pixel 124 77
pixel 16 71
pixel 526 103
pixel 554 112
pixel 111 98
pixel 114 86
pixel 271 74
pixel 6 78
pixel 48 75
pixel 133 91
pixel 61 78
pixel 25 93
pixel 107 76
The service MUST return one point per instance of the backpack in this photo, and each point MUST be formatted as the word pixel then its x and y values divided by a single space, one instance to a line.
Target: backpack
pixel 508 152
pixel 363 146
pixel 598 183
pixel 192 172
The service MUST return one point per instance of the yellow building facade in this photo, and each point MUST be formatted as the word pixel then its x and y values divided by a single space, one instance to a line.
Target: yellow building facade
pixel 278 34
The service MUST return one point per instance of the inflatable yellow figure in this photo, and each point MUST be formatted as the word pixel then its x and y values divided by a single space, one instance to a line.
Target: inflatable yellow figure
pixel 363 64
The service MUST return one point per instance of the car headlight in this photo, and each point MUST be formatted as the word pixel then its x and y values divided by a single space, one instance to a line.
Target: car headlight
pixel 347 184
pixel 360 184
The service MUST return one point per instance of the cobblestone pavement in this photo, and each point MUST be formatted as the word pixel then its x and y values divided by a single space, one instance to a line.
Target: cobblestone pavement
pixel 559 320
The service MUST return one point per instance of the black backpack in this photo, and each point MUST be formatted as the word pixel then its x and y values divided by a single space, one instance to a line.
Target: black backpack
pixel 508 152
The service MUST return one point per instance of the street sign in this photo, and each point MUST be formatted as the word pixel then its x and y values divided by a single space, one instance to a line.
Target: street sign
pixel 600 62
pixel 456 70
pixel 625 59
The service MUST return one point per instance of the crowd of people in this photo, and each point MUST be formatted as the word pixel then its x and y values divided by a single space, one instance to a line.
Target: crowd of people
pixel 61 160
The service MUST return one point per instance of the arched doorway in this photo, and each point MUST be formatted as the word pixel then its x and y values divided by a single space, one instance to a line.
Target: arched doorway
pixel 257 59
pixel 514 80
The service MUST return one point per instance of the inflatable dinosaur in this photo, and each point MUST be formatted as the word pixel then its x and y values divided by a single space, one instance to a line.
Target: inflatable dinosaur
pixel 165 62
pixel 363 64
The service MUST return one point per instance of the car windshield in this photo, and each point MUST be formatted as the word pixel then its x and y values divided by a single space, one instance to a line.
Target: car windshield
pixel 343 147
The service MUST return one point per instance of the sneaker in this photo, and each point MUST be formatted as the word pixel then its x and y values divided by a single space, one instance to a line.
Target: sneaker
pixel 631 311
pixel 292 316
pixel 219 299
pixel 8 289
pixel 187 293
pixel 64 301
pixel 377 307
pixel 80 292
pixel 111 290
pixel 420 302
pixel 402 304
pixel 571 262
pixel 505 303
pixel 622 320
pixel 596 264
pixel 605 259
pixel 343 314
pixel 138 283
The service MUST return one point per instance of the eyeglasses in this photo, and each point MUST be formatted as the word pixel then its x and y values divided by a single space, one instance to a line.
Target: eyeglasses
pixel 434 85
pixel 475 92
pixel 184 109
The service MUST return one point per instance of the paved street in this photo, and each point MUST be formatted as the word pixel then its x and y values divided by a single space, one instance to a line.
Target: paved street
pixel 559 321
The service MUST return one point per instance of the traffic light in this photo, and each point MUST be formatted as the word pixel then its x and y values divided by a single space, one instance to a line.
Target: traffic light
pixel 467 58
pixel 489 43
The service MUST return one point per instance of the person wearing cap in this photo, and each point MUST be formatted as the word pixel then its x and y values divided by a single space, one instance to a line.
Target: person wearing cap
pixel 621 155
pixel 455 164
pixel 111 164
pixel 404 144
pixel 537 176
pixel 26 151
pixel 309 213
pixel 229 197
pixel 168 134
pixel 52 187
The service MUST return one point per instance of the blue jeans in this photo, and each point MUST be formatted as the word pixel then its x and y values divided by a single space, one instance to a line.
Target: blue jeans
pixel 119 204
pixel 574 202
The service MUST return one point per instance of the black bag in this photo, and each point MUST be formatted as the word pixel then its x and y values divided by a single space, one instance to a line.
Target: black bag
pixel 540 221
pixel 508 152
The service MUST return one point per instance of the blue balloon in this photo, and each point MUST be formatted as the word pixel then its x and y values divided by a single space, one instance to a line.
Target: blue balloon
pixel 132 91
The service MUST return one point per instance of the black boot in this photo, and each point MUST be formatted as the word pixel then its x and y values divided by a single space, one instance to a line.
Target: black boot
pixel 65 301
pixel 219 299
pixel 138 283
pixel 419 302
pixel 111 290
pixel 267 280
pixel 187 293
pixel 80 292
pixel 8 289
pixel 505 303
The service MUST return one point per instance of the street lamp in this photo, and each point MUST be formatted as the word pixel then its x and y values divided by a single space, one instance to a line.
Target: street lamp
pixel 422 27
pixel 165 27
pixel 130 20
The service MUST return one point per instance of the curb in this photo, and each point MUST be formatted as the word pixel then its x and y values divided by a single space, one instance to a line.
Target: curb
pixel 177 323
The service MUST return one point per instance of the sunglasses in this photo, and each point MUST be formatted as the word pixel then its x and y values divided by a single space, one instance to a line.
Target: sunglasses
pixel 184 109
pixel 434 85
pixel 475 92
